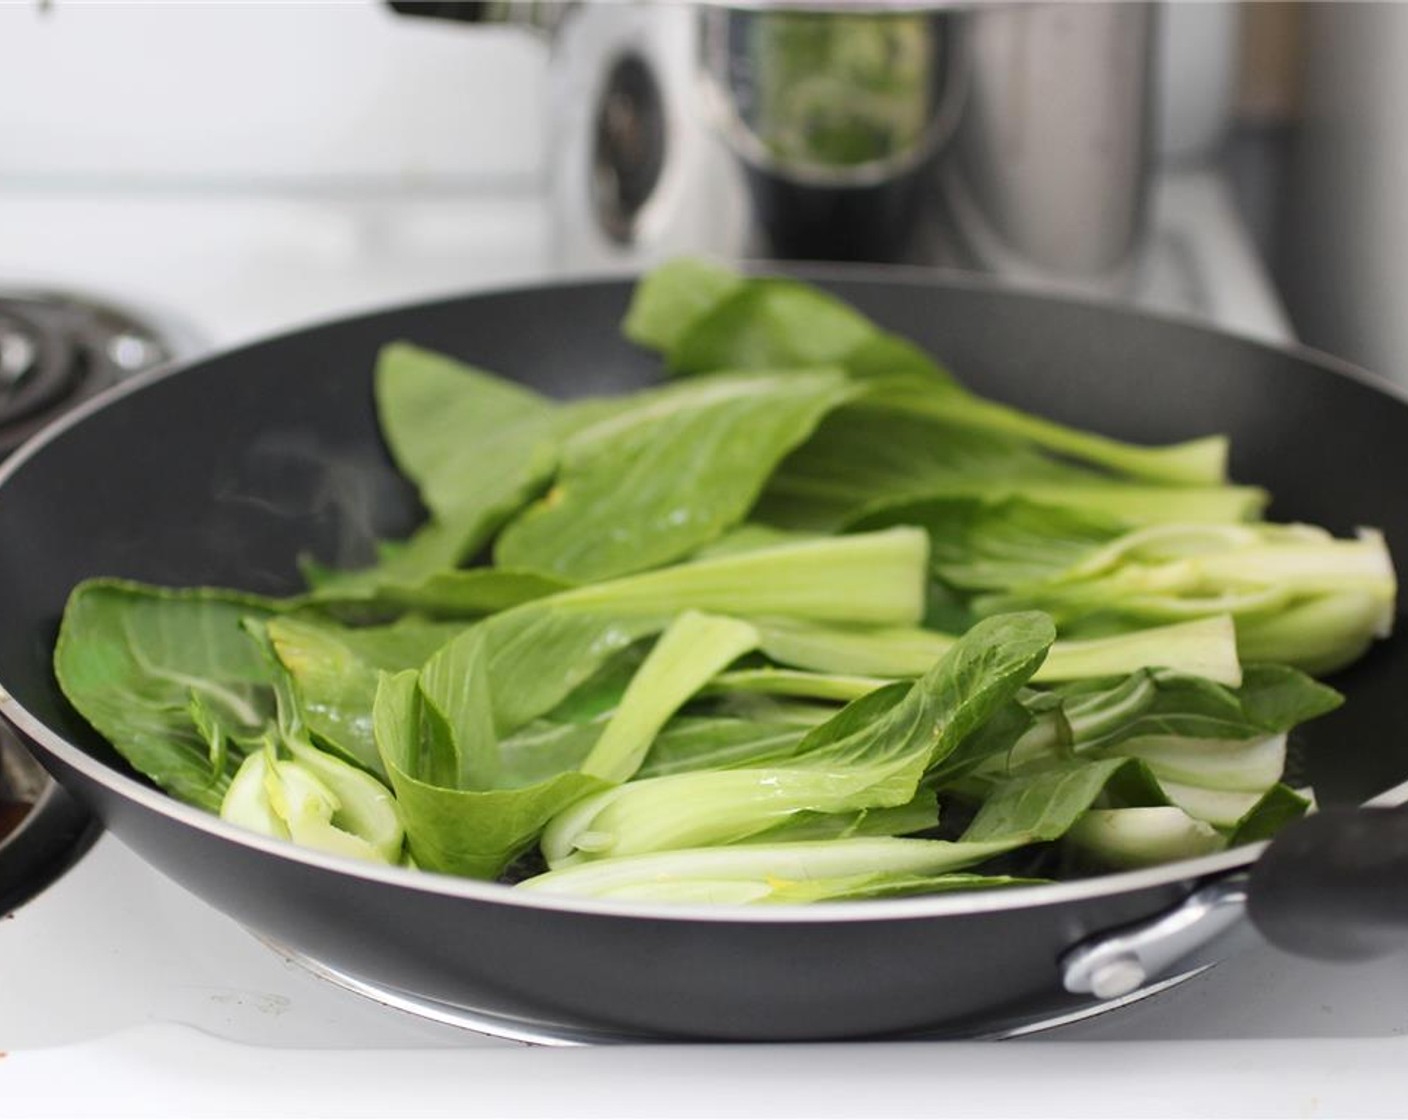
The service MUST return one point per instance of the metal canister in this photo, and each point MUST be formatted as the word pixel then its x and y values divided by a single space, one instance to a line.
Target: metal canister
pixel 1012 137
pixel 1048 172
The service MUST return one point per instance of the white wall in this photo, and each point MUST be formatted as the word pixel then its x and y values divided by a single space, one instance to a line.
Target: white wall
pixel 227 92
pixel 268 93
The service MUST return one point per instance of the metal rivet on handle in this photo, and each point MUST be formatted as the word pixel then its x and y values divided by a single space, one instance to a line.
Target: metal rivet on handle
pixel 1117 978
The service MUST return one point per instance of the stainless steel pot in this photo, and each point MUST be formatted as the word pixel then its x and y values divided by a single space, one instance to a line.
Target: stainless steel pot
pixel 1010 137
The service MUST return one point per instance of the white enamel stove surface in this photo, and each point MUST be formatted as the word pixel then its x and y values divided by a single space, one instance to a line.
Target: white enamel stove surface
pixel 121 994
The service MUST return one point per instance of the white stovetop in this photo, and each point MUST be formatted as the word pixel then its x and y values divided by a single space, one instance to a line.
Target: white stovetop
pixel 240 265
pixel 120 994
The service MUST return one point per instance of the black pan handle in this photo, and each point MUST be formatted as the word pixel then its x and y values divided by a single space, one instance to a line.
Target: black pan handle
pixel 1334 885
pixel 50 839
pixel 43 830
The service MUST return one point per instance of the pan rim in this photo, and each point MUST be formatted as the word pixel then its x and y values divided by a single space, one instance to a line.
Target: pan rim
pixel 470 890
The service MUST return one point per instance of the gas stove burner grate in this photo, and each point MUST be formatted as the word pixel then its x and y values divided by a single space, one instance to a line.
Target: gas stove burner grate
pixel 59 349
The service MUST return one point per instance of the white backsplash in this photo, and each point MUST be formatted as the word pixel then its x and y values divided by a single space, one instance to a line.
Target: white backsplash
pixel 291 93
pixel 264 95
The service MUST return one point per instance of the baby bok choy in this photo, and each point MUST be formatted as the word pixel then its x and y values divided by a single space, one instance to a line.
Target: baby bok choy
pixel 871 754
pixel 1296 594
pixel 808 620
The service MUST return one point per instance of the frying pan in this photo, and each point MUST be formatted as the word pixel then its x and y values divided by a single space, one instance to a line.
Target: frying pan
pixel 224 471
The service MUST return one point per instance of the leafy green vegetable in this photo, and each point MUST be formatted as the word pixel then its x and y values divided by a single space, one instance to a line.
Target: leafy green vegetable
pixel 533 656
pixel 649 484
pixel 1030 725
pixel 792 682
pixel 168 677
pixel 767 323
pixel 1215 753
pixel 323 804
pixel 1296 595
pixel 694 648
pixel 444 592
pixel 749 537
pixel 460 831
pixel 334 674
pixel 454 430
pixel 290 789
pixel 872 754
pixel 1143 836
pixel 1092 499
pixel 1322 633
pixel 1218 782
pixel 1203 647
pixel 704 316
pixel 888 884
pixel 731 646
pixel 982 545
pixel 478 447
pixel 1252 572
pixel 748 873
pixel 864 578
pixel 672 296
pixel 1279 806
pixel 1157 705
pixel 545 747
pixel 498 676
pixel 1197 462
pixel 184 685
pixel 869 467
pixel 919 815
pixel 247 800
pixel 361 806
pixel 1043 805
pixel 862 457
pixel 718 743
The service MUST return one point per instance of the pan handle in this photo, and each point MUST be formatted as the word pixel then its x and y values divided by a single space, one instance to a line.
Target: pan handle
pixel 1115 963
pixel 1334 885
pixel 47 838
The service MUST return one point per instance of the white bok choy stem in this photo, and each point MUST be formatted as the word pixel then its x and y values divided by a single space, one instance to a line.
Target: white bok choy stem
pixel 873 578
pixel 291 789
pixel 749 873
pixel 692 649
pixel 1203 647
pixel 1143 836
pixel 317 801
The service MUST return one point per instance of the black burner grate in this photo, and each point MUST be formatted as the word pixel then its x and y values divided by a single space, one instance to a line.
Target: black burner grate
pixel 57 350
